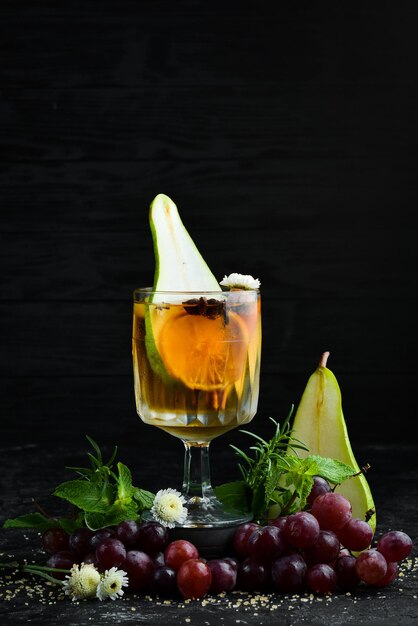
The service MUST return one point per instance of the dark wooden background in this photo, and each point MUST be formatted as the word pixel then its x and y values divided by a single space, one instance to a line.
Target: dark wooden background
pixel 287 136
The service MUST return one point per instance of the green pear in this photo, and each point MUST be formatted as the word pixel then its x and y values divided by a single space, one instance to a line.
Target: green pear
pixel 320 425
pixel 179 266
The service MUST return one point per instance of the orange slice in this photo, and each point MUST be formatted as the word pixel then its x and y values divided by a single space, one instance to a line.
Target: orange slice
pixel 203 353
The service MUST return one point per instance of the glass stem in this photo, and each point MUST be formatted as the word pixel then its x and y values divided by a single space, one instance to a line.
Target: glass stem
pixel 196 477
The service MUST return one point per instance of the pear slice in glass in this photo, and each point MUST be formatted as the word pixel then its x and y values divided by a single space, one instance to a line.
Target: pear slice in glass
pixel 179 266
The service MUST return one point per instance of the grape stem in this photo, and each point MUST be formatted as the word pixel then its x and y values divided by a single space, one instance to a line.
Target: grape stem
pixel 289 503
pixel 41 509
pixel 363 470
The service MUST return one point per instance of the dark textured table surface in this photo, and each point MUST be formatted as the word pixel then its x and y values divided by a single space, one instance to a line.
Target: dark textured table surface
pixel 33 471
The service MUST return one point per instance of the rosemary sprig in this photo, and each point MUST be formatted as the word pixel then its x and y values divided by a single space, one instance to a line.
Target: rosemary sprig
pixel 275 480
pixel 267 452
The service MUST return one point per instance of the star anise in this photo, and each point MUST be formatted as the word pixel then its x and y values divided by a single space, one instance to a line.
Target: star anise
pixel 210 308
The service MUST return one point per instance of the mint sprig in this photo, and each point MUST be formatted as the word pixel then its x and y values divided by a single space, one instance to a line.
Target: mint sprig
pixel 102 496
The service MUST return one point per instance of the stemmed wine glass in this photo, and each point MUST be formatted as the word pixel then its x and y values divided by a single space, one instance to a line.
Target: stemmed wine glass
pixel 196 360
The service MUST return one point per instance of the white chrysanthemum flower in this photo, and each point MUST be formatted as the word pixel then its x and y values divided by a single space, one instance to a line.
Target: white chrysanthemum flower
pixel 81 582
pixel 168 508
pixel 111 584
pixel 240 281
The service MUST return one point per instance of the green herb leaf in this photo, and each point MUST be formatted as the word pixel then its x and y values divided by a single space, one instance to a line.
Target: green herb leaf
pixel 31 520
pixel 331 469
pixel 124 482
pixel 112 517
pixel 234 495
pixel 70 525
pixel 84 494
pixel 40 522
pixel 145 499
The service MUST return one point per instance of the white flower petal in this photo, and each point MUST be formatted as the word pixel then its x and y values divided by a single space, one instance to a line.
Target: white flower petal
pixel 82 582
pixel 240 281
pixel 168 508
pixel 111 584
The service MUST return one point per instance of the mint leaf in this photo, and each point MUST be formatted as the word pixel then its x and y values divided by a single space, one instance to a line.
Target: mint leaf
pixel 234 495
pixel 70 525
pixel 31 520
pixel 84 494
pixel 125 489
pixel 40 522
pixel 112 517
pixel 331 469
pixel 144 498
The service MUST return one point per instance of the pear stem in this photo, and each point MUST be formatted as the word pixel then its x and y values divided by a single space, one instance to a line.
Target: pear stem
pixel 324 359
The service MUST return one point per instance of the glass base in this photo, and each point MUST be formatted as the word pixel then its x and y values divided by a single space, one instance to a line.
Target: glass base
pixel 208 513
pixel 208 526
pixel 211 513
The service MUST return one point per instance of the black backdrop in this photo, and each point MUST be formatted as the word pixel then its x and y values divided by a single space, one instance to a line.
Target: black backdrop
pixel 287 137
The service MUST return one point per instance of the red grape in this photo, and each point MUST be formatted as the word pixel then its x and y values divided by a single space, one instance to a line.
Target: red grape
pixel 127 533
pixel 356 534
pixel 139 568
pixel 55 540
pixel 266 543
pixel 332 510
pixel 241 537
pixel 389 577
pixel 301 529
pixel 62 560
pixel 233 562
pixel 371 566
pixel 253 575
pixel 179 551
pixel 79 542
pixel 325 549
pixel 224 575
pixel 110 553
pixel 279 522
pixel 194 578
pixel 164 580
pixel 321 578
pixel 152 537
pixel 157 559
pixel 319 487
pixel 288 573
pixel 345 568
pixel 99 536
pixel 395 545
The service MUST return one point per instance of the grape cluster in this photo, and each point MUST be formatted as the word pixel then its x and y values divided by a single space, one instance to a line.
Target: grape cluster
pixel 321 550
